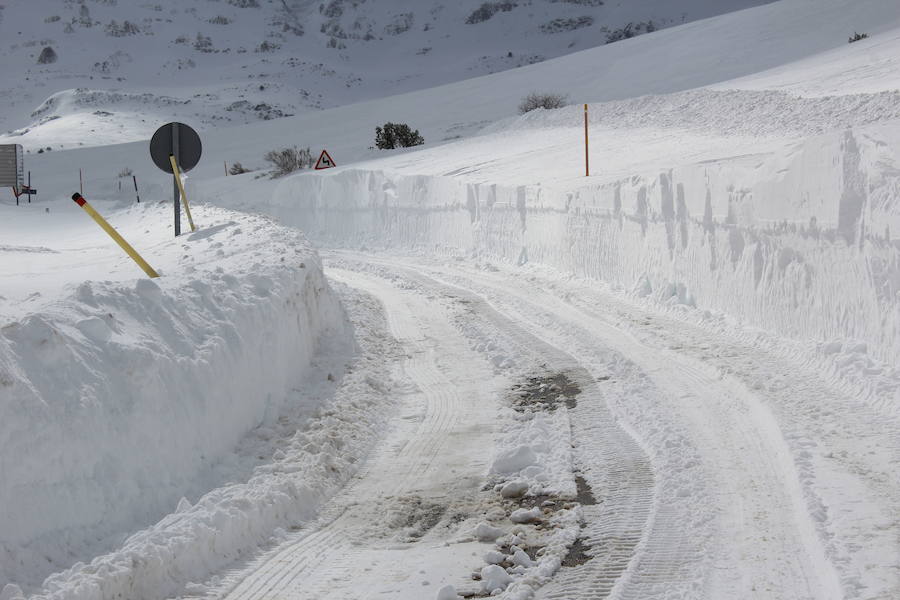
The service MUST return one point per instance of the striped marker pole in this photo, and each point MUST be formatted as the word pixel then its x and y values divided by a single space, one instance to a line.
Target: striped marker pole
pixel 180 183
pixel 80 201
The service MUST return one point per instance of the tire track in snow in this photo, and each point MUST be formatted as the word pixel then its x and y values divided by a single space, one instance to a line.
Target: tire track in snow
pixel 764 540
pixel 616 467
pixel 320 558
pixel 757 488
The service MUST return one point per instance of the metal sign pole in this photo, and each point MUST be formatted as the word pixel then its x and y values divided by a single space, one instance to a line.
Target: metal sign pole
pixel 29 187
pixel 177 154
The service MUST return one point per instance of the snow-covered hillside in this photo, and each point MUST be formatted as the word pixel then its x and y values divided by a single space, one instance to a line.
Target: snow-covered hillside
pixel 114 68
pixel 677 377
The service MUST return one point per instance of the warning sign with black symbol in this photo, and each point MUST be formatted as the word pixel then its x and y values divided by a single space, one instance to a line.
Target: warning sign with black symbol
pixel 325 161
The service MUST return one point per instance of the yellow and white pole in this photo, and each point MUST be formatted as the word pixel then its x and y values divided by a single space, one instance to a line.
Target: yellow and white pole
pixel 80 201
pixel 184 199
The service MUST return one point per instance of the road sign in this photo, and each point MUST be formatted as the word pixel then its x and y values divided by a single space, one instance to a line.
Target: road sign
pixel 181 142
pixel 28 191
pixel 178 139
pixel 325 161
pixel 12 166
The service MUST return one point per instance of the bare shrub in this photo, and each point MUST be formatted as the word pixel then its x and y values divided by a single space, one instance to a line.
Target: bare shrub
pixel 856 37
pixel 629 31
pixel 288 160
pixel 125 29
pixel 542 100
pixel 238 169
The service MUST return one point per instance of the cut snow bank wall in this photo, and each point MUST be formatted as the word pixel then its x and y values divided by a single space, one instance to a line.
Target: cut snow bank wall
pixel 797 242
pixel 119 399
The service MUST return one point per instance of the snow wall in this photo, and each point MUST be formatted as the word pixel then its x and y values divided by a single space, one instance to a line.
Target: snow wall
pixel 120 399
pixel 798 242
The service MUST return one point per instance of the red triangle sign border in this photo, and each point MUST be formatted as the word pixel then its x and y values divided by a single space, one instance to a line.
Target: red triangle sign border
pixel 325 161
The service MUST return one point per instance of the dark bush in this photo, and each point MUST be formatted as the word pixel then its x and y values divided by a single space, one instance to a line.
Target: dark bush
pixel 856 37
pixel 288 160
pixel 629 31
pixel 538 100
pixel 397 135
pixel 488 10
pixel 47 56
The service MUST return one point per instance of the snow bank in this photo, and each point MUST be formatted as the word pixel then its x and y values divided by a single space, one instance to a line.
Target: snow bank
pixel 117 398
pixel 797 239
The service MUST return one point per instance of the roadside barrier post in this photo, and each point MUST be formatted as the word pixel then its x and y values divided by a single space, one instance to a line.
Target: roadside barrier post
pixel 587 169
pixel 80 201
pixel 180 184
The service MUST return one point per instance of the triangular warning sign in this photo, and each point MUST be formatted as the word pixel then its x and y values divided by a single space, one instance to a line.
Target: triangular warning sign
pixel 325 161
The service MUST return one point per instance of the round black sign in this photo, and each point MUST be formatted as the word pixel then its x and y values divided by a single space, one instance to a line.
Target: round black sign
pixel 178 139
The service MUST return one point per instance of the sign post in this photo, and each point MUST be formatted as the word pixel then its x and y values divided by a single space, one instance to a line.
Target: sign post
pixel 182 144
pixel 12 168
pixel 180 184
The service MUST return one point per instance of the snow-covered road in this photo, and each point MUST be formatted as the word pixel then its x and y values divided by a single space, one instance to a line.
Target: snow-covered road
pixel 689 462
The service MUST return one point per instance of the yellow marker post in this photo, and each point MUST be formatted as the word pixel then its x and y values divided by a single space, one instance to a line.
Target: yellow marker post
pixel 177 175
pixel 80 201
pixel 587 169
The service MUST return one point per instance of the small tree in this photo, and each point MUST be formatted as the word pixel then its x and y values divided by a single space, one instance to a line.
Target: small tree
pixel 856 37
pixel 397 135
pixel 538 100
pixel 288 160
pixel 47 56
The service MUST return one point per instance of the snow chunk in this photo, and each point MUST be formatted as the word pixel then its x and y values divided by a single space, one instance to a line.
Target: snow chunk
pixel 523 515
pixel 487 533
pixel 448 592
pixel 514 460
pixel 521 559
pixel 95 329
pixel 494 578
pixel 494 557
pixel 514 489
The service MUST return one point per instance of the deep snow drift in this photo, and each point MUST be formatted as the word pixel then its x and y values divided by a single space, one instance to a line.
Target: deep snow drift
pixel 122 395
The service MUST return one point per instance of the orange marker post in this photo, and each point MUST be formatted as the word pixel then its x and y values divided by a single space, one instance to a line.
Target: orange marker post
pixel 587 168
pixel 80 201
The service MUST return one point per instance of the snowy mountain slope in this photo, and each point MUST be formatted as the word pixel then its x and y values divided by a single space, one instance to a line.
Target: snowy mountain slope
pixel 688 207
pixel 659 63
pixel 116 63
